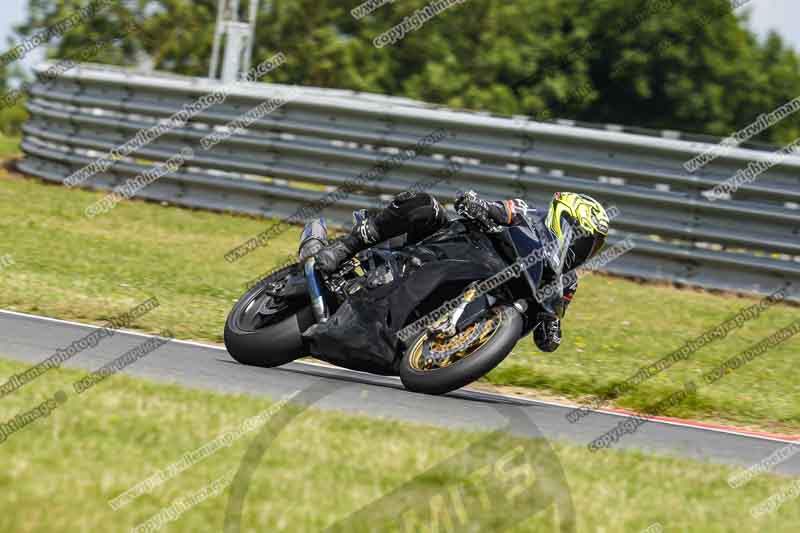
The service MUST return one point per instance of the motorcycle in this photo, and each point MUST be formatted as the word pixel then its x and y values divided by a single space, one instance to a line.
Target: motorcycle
pixel 440 313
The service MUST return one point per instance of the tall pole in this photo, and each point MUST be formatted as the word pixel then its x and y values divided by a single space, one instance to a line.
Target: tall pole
pixel 252 38
pixel 239 39
pixel 234 11
pixel 212 71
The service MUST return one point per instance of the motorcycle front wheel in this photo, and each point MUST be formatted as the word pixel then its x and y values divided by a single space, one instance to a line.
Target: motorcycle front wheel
pixel 434 364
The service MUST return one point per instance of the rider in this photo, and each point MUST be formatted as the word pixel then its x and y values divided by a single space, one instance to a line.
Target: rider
pixel 419 215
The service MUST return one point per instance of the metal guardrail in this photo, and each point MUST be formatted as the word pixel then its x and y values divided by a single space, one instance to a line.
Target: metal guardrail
pixel 322 139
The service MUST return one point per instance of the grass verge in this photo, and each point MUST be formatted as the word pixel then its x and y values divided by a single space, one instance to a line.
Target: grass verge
pixel 71 267
pixel 64 469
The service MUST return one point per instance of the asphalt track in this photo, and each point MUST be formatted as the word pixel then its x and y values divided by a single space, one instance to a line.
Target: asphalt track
pixel 31 339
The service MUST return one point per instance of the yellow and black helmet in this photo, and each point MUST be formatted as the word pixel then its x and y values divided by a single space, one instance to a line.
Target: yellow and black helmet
pixel 587 221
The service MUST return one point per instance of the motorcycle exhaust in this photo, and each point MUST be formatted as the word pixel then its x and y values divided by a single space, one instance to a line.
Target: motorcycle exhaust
pixel 315 292
pixel 314 237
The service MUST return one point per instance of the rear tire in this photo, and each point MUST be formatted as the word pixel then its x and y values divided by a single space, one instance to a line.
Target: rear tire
pixel 273 344
pixel 470 368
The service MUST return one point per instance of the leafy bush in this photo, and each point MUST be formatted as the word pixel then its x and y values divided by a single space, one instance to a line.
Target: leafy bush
pixel 12 118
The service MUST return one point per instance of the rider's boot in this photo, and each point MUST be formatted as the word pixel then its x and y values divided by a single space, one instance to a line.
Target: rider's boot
pixel 363 235
pixel 547 333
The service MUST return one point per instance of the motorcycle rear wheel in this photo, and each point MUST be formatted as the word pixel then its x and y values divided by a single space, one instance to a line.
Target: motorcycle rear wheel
pixel 252 338
pixel 499 333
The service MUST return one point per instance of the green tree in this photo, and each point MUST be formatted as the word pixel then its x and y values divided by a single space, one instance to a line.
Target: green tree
pixel 679 64
pixel 14 116
pixel 686 65
pixel 118 30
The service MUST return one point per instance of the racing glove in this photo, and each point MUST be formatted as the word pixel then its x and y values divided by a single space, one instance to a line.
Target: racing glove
pixel 492 216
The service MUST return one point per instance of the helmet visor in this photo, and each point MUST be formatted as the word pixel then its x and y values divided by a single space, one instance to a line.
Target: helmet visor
pixel 584 248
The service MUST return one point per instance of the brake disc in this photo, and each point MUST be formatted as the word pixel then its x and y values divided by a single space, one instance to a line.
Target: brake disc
pixel 458 343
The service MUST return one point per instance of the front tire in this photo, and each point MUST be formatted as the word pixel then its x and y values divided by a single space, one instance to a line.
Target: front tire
pixel 419 375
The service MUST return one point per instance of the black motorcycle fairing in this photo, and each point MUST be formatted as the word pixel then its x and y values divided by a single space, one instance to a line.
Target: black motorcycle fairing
pixel 356 336
pixel 522 241
pixel 446 271
pixel 525 245
pixel 430 286
pixel 362 333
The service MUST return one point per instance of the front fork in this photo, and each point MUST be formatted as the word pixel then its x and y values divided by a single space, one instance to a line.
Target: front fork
pixel 447 326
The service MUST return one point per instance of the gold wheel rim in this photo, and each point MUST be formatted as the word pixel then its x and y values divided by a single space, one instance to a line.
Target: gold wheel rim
pixel 416 359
